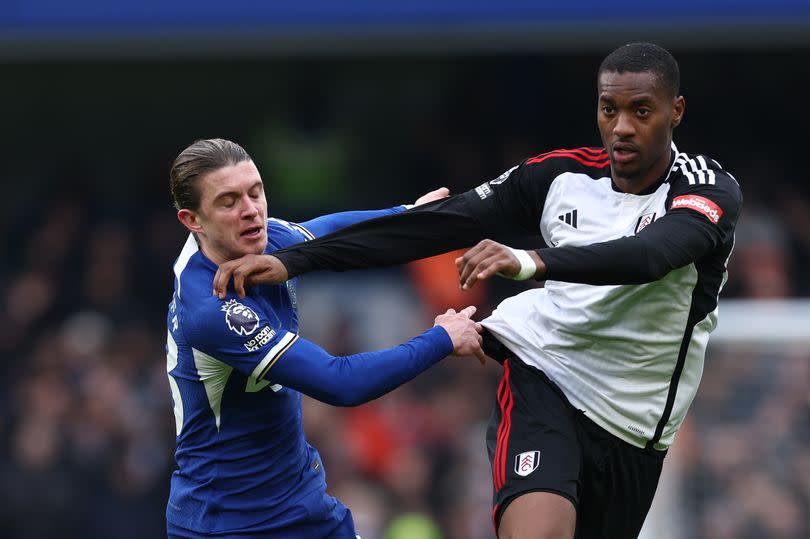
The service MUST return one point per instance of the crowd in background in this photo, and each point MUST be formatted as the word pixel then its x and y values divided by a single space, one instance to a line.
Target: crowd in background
pixel 87 429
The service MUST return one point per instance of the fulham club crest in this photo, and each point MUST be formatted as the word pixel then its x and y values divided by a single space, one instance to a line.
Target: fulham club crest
pixel 644 220
pixel 241 319
pixel 526 463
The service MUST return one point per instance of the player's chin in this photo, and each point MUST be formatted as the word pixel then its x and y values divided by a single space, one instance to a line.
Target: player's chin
pixel 625 170
pixel 252 246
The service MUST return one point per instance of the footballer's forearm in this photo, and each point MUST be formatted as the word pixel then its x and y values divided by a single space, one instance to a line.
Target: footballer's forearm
pixel 670 243
pixel 431 229
pixel 355 379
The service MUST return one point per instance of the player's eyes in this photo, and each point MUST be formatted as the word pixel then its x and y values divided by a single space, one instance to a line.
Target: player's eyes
pixel 608 109
pixel 643 112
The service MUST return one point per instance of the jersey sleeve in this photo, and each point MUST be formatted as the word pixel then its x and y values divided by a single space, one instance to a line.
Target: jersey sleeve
pixel 506 208
pixel 710 196
pixel 512 203
pixel 701 216
pixel 430 229
pixel 326 224
pixel 238 333
pixel 358 378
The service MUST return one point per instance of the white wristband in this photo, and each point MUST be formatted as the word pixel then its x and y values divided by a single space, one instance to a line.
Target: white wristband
pixel 527 266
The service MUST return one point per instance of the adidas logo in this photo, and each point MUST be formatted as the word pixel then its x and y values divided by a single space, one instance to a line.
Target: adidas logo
pixel 569 218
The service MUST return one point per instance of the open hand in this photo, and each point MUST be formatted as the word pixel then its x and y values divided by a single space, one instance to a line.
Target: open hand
pixel 247 270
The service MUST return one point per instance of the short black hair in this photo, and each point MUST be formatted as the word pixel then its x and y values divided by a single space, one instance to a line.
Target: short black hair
pixel 645 57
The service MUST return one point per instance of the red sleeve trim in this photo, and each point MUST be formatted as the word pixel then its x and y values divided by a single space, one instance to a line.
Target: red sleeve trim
pixel 585 156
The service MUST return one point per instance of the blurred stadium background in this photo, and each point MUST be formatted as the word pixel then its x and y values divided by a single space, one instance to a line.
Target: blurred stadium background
pixel 363 104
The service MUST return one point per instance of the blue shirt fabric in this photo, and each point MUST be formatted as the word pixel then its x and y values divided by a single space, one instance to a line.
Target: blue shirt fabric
pixel 236 367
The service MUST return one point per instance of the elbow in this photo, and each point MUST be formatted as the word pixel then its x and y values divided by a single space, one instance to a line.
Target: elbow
pixel 658 267
pixel 657 273
pixel 348 401
pixel 336 398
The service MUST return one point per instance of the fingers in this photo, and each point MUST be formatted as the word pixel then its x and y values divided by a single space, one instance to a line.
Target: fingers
pixel 468 311
pixel 221 279
pixel 239 270
pixel 233 269
pixel 478 351
pixel 239 282
pixel 484 260
pixel 475 348
pixel 482 270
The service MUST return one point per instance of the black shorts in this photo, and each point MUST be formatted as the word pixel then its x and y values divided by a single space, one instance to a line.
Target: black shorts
pixel 537 441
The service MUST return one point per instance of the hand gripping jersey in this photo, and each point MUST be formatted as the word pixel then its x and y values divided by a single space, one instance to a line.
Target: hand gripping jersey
pixel 632 280
pixel 236 367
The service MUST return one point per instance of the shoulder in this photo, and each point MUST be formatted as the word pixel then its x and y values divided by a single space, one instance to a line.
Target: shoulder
pixel 700 184
pixel 281 233
pixel 701 172
pixel 193 275
pixel 586 160
pixel 212 321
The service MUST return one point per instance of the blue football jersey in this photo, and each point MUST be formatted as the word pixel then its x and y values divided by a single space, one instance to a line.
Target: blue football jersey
pixel 243 462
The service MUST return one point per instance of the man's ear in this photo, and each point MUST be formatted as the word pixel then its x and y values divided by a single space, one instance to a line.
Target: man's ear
pixel 678 107
pixel 190 220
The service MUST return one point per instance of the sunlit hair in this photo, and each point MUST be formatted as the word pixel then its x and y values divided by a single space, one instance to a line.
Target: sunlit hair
pixel 197 160
pixel 643 58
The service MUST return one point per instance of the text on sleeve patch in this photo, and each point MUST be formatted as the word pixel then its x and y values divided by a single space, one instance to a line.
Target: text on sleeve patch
pixel 699 204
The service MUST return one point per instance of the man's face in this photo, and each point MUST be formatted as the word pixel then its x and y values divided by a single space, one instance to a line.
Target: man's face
pixel 232 218
pixel 636 116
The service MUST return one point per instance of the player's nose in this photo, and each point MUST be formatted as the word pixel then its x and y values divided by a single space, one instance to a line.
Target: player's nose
pixel 624 126
pixel 250 208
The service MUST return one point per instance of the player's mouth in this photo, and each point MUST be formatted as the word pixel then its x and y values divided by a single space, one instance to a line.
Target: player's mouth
pixel 624 152
pixel 252 233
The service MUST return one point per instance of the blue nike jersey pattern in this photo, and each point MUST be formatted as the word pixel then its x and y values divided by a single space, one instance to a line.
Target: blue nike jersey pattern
pixel 243 462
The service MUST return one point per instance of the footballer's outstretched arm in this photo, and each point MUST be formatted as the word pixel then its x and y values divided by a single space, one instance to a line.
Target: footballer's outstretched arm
pixel 355 379
pixel 431 229
pixel 665 245
pixel 685 234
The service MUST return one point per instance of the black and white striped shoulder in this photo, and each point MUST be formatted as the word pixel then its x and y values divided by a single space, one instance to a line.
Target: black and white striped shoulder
pixel 700 170
pixel 698 183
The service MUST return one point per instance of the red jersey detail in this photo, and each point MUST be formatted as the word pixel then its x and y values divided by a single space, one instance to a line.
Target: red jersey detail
pixel 699 204
pixel 505 402
pixel 585 156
